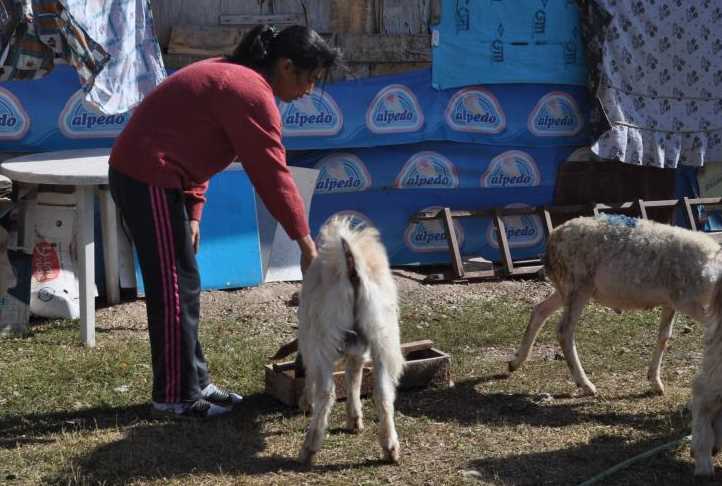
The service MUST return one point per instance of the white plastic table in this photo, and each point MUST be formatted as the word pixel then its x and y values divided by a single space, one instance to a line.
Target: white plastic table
pixel 86 171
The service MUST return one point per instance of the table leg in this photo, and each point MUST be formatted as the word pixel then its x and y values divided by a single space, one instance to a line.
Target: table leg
pixel 111 258
pixel 86 257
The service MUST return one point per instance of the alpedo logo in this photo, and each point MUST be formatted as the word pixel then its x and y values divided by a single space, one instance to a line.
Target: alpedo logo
pixel 82 120
pixel 521 231
pixel 341 172
pixel 14 120
pixel 394 109
pixel 555 114
pixel 513 168
pixel 475 110
pixel 315 114
pixel 427 170
pixel 429 236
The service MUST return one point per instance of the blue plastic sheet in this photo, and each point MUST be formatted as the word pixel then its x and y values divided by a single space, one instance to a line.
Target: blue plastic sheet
pixel 508 41
pixel 49 114
pixel 386 186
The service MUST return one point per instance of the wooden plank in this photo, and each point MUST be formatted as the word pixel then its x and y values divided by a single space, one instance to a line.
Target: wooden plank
pixel 454 253
pixel 385 48
pixel 404 17
pixel 167 13
pixel 690 214
pixel 316 14
pixel 358 16
pixel 503 242
pixel 385 68
pixel 203 41
pixel 251 20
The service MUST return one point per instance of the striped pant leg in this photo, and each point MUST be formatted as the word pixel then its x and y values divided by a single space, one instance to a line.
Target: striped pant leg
pixel 158 223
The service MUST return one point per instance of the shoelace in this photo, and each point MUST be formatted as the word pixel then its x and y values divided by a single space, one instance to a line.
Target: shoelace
pixel 200 406
pixel 220 395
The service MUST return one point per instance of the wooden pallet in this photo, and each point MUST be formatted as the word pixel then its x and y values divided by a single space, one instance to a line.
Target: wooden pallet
pixel 510 267
pixel 425 366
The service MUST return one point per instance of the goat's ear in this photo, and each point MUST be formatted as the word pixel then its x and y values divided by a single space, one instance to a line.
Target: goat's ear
pixel 350 263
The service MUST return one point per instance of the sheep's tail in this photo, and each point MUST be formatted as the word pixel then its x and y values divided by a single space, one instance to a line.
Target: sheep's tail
pixel 379 332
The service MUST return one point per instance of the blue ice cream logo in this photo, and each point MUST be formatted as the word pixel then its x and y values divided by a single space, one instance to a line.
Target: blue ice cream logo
pixel 521 231
pixel 427 170
pixel 82 120
pixel 342 173
pixel 475 110
pixel 395 109
pixel 14 120
pixel 429 236
pixel 513 168
pixel 313 115
pixel 556 114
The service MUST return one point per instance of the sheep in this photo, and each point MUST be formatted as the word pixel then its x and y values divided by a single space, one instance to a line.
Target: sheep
pixel 706 403
pixel 624 263
pixel 348 308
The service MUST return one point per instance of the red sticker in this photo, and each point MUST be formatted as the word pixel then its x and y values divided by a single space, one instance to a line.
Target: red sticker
pixel 46 262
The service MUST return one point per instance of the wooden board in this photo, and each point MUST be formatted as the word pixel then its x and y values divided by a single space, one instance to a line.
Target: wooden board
pixel 405 17
pixel 203 41
pixel 385 48
pixel 357 16
pixel 316 14
pixel 279 20
pixel 425 366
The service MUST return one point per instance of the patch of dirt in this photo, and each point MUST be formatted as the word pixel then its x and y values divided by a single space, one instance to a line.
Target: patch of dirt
pixel 271 308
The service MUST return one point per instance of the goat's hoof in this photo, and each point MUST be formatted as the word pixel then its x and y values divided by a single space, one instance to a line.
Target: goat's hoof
pixel 512 367
pixel 355 425
pixel 392 454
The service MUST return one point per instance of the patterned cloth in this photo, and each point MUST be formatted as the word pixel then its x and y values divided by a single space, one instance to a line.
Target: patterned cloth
pixel 125 29
pixel 43 33
pixel 656 70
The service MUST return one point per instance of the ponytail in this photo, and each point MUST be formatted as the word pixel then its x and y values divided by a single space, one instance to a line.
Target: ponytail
pixel 263 45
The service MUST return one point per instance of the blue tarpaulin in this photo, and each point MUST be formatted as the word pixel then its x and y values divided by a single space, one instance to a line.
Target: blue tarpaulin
pixel 508 41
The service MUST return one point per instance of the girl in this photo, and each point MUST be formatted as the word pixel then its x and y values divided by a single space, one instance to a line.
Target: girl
pixel 190 127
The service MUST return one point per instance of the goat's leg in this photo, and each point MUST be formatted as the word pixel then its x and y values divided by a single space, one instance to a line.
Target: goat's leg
pixel 354 372
pixel 665 333
pixel 539 315
pixel 384 396
pixel 323 398
pixel 573 306
pixel 703 436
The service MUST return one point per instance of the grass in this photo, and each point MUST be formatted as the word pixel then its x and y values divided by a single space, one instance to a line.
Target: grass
pixel 71 415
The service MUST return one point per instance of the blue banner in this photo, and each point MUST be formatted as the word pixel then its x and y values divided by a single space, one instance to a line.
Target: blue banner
pixel 386 186
pixel 50 114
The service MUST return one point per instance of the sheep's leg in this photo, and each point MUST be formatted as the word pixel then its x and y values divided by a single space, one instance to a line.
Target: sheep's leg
pixel 665 333
pixel 384 396
pixel 539 315
pixel 717 428
pixel 323 398
pixel 354 413
pixel 573 306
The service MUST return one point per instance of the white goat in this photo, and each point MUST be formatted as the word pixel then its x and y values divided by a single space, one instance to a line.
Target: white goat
pixel 348 307
pixel 624 263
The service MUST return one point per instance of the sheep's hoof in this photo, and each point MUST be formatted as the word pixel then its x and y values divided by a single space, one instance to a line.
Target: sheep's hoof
pixel 306 457
pixel 392 454
pixel 513 366
pixel 658 389
pixel 586 390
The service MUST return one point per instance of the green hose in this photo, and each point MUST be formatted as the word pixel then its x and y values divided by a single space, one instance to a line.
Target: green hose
pixel 622 465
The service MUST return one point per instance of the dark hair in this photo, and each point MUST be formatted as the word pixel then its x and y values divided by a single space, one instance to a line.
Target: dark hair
pixel 263 45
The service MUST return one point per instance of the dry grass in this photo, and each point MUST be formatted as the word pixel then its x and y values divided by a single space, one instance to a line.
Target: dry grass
pixel 70 415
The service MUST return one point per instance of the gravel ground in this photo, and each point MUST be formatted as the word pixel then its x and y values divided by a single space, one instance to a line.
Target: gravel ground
pixel 271 308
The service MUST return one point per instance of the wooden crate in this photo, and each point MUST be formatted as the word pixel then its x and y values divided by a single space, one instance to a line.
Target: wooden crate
pixel 425 366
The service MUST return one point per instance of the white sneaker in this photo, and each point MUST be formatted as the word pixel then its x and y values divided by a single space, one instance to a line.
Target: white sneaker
pixel 219 396
pixel 199 409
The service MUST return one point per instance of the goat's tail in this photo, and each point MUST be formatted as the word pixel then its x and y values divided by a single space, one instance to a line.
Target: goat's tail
pixel 375 307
